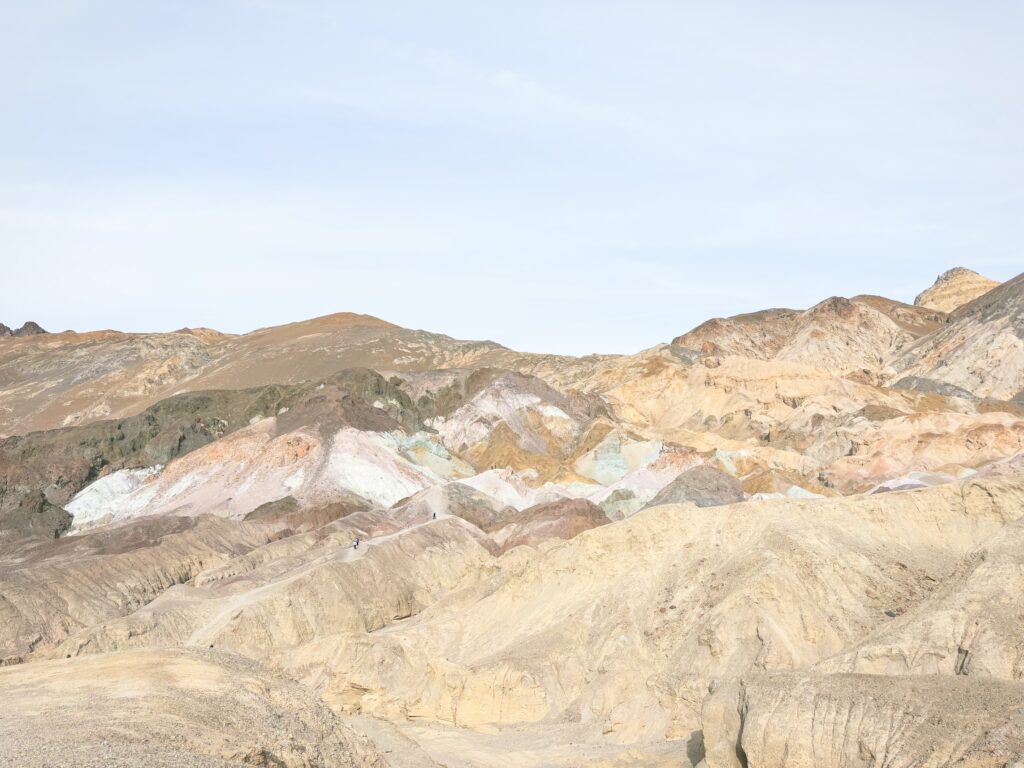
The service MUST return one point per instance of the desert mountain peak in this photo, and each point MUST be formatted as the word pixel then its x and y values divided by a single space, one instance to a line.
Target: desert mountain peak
pixel 957 273
pixel 341 319
pixel 954 288
pixel 30 328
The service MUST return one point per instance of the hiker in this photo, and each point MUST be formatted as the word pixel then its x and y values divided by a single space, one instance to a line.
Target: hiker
pixel 355 544
pixel 435 516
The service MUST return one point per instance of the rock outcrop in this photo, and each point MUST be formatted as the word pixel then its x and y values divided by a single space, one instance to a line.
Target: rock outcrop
pixel 980 349
pixel 953 289
pixel 779 720
pixel 27 329
pixel 703 485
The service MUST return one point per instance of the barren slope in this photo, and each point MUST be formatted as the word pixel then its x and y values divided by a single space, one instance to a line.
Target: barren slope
pixel 843 336
pixel 169 709
pixel 622 629
pixel 56 380
pixel 980 350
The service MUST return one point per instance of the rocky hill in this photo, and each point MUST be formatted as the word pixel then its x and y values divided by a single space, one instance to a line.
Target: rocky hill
pixel 953 289
pixel 69 378
pixel 847 337
pixel 981 347
pixel 28 329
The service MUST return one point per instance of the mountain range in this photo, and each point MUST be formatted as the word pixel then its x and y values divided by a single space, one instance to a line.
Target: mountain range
pixel 782 538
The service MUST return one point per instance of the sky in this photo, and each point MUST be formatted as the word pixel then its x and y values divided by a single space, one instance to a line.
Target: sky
pixel 558 176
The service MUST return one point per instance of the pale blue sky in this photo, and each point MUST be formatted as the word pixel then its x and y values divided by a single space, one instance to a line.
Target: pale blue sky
pixel 557 176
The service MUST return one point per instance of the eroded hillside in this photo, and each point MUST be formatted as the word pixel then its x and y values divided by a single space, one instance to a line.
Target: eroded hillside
pixel 786 538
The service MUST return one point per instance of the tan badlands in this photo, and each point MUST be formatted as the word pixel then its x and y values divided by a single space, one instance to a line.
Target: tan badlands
pixel 792 538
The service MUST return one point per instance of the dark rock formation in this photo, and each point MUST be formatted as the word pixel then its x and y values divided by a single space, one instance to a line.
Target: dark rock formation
pixel 563 519
pixel 703 485
pixel 30 329
pixel 932 387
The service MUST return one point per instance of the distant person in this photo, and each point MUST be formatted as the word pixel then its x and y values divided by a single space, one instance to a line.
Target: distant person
pixel 355 544
pixel 434 517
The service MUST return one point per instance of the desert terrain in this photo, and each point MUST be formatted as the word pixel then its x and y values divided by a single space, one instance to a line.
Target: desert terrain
pixel 787 538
